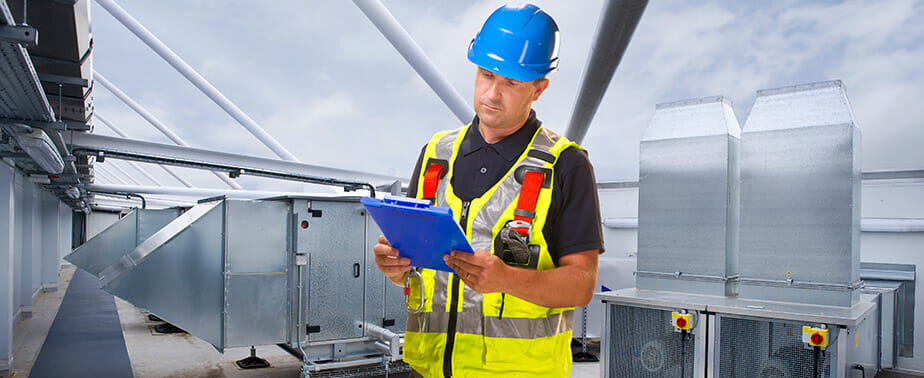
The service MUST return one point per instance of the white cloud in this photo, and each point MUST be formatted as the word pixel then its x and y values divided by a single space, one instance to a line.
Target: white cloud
pixel 321 79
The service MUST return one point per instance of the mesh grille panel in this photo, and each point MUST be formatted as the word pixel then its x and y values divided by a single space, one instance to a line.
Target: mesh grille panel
pixel 768 349
pixel 644 344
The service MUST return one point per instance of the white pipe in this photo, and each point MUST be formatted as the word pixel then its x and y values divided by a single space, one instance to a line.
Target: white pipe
pixel 866 225
pixel 153 120
pixel 402 41
pixel 187 71
pixel 621 223
pixel 111 201
pixel 893 225
pixel 106 174
pixel 124 174
pixel 122 134
pixel 203 192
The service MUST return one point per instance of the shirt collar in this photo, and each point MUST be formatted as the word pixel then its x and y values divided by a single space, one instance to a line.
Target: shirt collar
pixel 510 147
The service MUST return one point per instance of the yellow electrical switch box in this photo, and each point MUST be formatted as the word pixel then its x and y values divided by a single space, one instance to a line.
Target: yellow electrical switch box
pixel 682 321
pixel 816 337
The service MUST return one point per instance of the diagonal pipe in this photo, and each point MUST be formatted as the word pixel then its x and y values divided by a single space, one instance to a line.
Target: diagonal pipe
pixel 614 31
pixel 122 134
pixel 195 78
pixel 152 120
pixel 402 41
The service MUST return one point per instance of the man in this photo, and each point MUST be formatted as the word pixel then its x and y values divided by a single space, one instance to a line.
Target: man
pixel 526 198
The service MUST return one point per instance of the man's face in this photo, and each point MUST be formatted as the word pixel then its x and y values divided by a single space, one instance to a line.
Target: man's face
pixel 503 103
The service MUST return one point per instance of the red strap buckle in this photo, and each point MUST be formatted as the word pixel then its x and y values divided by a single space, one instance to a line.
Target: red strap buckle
pixel 529 195
pixel 521 227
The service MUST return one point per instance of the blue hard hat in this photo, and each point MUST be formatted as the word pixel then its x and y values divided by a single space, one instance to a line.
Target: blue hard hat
pixel 517 42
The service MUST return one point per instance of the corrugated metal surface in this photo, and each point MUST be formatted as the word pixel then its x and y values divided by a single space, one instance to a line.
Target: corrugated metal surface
pixel 21 96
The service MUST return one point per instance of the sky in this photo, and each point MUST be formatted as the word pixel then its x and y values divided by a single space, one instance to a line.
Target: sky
pixel 320 78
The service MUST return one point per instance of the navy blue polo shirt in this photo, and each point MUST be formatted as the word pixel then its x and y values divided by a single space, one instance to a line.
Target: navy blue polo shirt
pixel 573 223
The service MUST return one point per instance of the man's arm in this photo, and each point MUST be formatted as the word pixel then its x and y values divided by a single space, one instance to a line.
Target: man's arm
pixel 571 284
pixel 386 256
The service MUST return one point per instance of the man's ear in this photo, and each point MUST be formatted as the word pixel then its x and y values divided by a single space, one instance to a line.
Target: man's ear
pixel 541 85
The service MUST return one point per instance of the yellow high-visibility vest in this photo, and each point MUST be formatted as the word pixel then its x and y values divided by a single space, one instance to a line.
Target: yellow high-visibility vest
pixel 495 334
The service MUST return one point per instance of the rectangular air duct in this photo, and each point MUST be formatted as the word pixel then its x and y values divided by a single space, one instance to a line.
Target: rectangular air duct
pixel 688 198
pixel 800 197
pixel 108 246
pixel 296 271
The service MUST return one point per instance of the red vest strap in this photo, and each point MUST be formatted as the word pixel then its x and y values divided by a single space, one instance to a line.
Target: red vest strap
pixel 431 180
pixel 529 195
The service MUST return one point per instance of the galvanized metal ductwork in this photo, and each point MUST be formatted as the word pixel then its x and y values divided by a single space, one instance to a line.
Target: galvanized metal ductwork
pixel 234 273
pixel 108 246
pixel 789 234
pixel 800 197
pixel 688 198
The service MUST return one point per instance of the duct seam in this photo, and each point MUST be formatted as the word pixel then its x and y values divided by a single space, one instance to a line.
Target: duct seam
pixel 688 277
pixel 802 284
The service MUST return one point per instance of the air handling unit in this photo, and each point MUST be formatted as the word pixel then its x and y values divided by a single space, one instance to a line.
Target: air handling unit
pixel 756 238
pixel 296 271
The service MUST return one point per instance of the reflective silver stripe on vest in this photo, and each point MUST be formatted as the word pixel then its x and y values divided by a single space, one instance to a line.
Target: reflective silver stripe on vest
pixel 443 150
pixel 487 216
pixel 473 323
pixel 506 193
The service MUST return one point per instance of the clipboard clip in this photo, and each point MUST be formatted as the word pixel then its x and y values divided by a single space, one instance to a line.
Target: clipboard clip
pixel 407 290
pixel 406 202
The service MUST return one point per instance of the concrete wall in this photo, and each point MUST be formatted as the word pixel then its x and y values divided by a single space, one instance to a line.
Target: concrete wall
pixel 34 235
pixel 6 265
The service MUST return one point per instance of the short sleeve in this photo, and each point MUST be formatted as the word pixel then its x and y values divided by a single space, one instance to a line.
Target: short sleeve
pixel 574 216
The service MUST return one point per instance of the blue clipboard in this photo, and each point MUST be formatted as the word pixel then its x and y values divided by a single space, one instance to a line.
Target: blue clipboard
pixel 419 231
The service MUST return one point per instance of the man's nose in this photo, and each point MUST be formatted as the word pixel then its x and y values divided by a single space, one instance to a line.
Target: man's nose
pixel 493 93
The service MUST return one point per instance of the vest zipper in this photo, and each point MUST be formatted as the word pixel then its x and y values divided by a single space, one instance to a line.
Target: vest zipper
pixel 454 303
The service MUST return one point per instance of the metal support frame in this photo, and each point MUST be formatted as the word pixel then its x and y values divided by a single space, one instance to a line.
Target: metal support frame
pixel 22 34
pixel 53 125
pixel 118 148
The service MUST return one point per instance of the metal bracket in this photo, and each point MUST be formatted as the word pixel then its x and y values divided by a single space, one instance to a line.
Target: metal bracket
pixel 22 34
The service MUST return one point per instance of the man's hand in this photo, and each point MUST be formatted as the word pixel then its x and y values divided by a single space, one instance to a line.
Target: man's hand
pixel 571 284
pixel 481 271
pixel 389 263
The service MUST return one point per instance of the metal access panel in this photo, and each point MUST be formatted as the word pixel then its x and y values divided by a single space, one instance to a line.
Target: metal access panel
pixel 754 347
pixel 256 273
pixel 642 342
pixel 334 238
